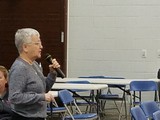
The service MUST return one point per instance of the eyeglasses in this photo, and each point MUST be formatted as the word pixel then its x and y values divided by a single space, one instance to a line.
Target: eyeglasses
pixel 36 43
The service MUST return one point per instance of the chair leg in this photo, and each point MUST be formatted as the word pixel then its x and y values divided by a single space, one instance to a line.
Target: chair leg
pixel 123 103
pixel 125 110
pixel 103 103
pixel 117 106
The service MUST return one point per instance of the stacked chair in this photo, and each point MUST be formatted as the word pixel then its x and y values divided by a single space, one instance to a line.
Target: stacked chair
pixel 148 110
pixel 149 107
pixel 156 115
pixel 137 91
pixel 137 113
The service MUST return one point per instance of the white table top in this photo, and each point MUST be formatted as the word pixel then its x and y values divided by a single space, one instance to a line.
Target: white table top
pixel 79 86
pixel 105 81
pixel 54 93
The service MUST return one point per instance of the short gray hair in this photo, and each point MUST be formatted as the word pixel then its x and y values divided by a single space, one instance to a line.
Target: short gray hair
pixel 24 36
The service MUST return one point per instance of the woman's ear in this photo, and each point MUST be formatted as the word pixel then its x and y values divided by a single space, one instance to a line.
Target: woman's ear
pixel 25 47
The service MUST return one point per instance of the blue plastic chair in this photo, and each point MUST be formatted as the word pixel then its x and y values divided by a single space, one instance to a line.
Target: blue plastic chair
pixel 149 107
pixel 83 100
pixel 69 103
pixel 137 113
pixel 53 108
pixel 156 115
pixel 142 86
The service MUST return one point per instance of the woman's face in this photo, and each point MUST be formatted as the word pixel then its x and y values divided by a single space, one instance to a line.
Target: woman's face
pixel 33 49
pixel 3 81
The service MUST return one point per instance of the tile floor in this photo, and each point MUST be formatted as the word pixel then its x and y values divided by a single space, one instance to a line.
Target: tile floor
pixel 111 114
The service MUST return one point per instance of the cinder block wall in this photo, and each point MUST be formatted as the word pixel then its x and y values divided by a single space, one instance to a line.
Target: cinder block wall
pixel 114 38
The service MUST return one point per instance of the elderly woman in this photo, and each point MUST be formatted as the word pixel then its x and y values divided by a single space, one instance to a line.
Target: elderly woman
pixel 28 87
pixel 5 110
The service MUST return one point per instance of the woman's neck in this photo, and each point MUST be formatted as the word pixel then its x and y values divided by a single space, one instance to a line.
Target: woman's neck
pixel 29 61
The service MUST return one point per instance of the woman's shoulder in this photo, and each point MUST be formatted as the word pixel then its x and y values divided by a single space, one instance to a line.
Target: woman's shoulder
pixel 19 65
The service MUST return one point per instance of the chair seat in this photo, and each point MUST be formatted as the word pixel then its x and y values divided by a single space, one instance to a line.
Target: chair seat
pixel 56 109
pixel 108 96
pixel 84 103
pixel 82 116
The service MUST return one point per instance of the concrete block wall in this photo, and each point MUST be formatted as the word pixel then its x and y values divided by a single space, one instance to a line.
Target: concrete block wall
pixel 114 38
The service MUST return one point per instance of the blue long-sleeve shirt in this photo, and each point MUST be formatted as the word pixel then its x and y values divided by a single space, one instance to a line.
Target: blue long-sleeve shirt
pixel 27 88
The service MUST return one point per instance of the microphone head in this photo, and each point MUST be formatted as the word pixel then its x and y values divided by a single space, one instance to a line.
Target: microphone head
pixel 48 58
pixel 47 55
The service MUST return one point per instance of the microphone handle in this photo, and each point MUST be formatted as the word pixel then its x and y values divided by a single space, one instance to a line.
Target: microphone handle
pixel 59 71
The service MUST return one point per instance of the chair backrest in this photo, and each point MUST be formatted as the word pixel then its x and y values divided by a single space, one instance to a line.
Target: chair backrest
pixel 137 113
pixel 102 77
pixel 143 86
pixel 156 115
pixel 65 96
pixel 67 99
pixel 149 107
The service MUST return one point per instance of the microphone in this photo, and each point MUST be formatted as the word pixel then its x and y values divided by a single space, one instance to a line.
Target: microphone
pixel 48 58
